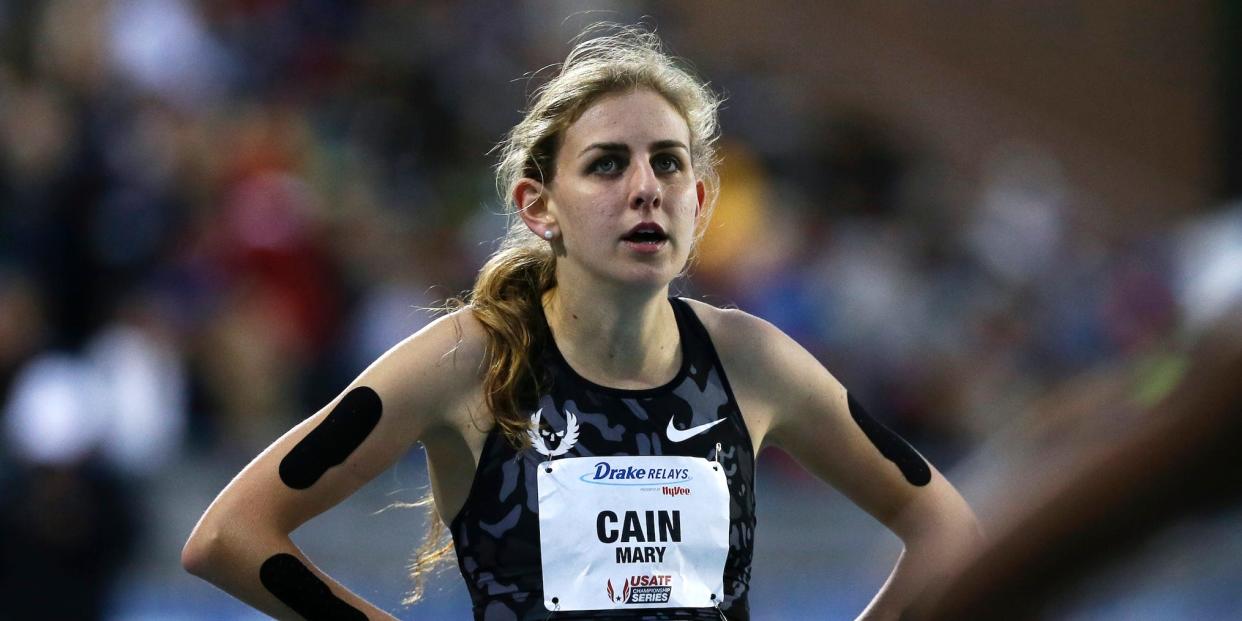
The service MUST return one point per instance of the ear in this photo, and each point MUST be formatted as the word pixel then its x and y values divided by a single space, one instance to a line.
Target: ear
pixel 530 196
pixel 700 190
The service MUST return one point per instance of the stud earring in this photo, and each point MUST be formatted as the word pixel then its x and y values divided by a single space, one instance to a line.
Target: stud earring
pixel 548 234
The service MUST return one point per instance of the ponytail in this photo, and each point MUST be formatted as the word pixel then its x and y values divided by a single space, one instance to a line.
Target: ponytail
pixel 508 301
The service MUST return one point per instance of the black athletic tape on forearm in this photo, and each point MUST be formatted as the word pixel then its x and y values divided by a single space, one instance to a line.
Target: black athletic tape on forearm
pixel 299 588
pixel 891 445
pixel 329 444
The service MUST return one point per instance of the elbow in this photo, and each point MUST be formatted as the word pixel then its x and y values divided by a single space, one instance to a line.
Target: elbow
pixel 218 548
pixel 967 527
pixel 977 535
pixel 962 531
pixel 203 551
pixel 197 553
pixel 963 540
pixel 946 527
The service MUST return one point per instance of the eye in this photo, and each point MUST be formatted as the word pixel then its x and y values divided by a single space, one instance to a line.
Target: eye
pixel 607 165
pixel 666 163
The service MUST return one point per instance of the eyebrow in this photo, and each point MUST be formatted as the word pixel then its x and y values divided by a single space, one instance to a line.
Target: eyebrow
pixel 655 146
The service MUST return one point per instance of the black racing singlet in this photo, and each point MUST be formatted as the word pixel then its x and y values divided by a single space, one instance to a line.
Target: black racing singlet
pixel 496 533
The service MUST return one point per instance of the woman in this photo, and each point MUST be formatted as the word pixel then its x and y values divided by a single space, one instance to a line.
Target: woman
pixel 591 440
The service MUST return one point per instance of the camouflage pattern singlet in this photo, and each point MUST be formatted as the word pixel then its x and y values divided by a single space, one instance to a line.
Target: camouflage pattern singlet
pixel 496 533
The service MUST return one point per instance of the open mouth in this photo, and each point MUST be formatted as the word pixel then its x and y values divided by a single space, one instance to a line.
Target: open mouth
pixel 647 235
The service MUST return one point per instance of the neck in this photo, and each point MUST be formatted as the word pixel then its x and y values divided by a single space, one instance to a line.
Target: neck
pixel 615 337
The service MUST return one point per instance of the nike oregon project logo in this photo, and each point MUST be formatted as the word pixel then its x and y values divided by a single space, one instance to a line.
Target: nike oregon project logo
pixel 679 435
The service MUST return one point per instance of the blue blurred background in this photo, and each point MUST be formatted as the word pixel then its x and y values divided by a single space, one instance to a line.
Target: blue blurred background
pixel 998 224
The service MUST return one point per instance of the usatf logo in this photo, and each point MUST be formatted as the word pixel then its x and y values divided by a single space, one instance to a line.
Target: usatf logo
pixel 642 590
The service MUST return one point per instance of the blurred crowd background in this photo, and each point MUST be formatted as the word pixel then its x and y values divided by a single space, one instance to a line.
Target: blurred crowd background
pixel 1000 225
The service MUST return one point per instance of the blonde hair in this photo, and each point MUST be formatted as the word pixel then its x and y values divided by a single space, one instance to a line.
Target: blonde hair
pixel 508 293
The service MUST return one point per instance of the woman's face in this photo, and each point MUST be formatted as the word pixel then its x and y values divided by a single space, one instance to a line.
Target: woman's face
pixel 624 197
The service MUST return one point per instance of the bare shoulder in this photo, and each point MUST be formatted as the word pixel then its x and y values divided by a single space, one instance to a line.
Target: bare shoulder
pixel 769 372
pixel 763 362
pixel 717 319
pixel 751 344
pixel 460 339
pixel 435 366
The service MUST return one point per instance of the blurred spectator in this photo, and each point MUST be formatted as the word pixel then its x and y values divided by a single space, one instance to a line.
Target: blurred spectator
pixel 67 522
pixel 66 531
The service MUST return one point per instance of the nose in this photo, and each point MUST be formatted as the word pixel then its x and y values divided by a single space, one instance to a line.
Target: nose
pixel 644 187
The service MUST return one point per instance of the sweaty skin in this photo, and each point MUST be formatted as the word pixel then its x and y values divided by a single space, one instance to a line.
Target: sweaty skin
pixel 897 450
pixel 333 440
pixel 300 589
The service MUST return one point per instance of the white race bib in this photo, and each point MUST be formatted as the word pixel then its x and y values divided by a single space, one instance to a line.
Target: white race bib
pixel 633 532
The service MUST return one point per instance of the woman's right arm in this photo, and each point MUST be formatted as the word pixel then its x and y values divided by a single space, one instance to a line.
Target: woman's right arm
pixel 242 544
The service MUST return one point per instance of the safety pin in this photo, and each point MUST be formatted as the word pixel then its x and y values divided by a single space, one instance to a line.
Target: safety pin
pixel 556 607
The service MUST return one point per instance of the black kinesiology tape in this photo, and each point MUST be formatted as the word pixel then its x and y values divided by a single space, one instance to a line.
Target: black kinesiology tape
pixel 329 444
pixel 299 588
pixel 891 445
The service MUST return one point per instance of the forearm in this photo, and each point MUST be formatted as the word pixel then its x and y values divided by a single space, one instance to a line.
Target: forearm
pixel 928 558
pixel 901 588
pixel 272 575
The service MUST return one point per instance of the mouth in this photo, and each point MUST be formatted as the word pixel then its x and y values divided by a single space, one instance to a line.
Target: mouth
pixel 646 237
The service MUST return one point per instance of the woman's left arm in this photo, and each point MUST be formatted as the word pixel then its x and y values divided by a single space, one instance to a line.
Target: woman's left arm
pixel 806 411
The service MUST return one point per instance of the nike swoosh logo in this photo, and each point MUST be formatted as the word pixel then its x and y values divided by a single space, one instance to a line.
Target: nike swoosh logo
pixel 677 435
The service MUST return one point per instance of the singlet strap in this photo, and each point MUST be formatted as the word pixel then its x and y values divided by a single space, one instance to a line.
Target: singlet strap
pixel 689 326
